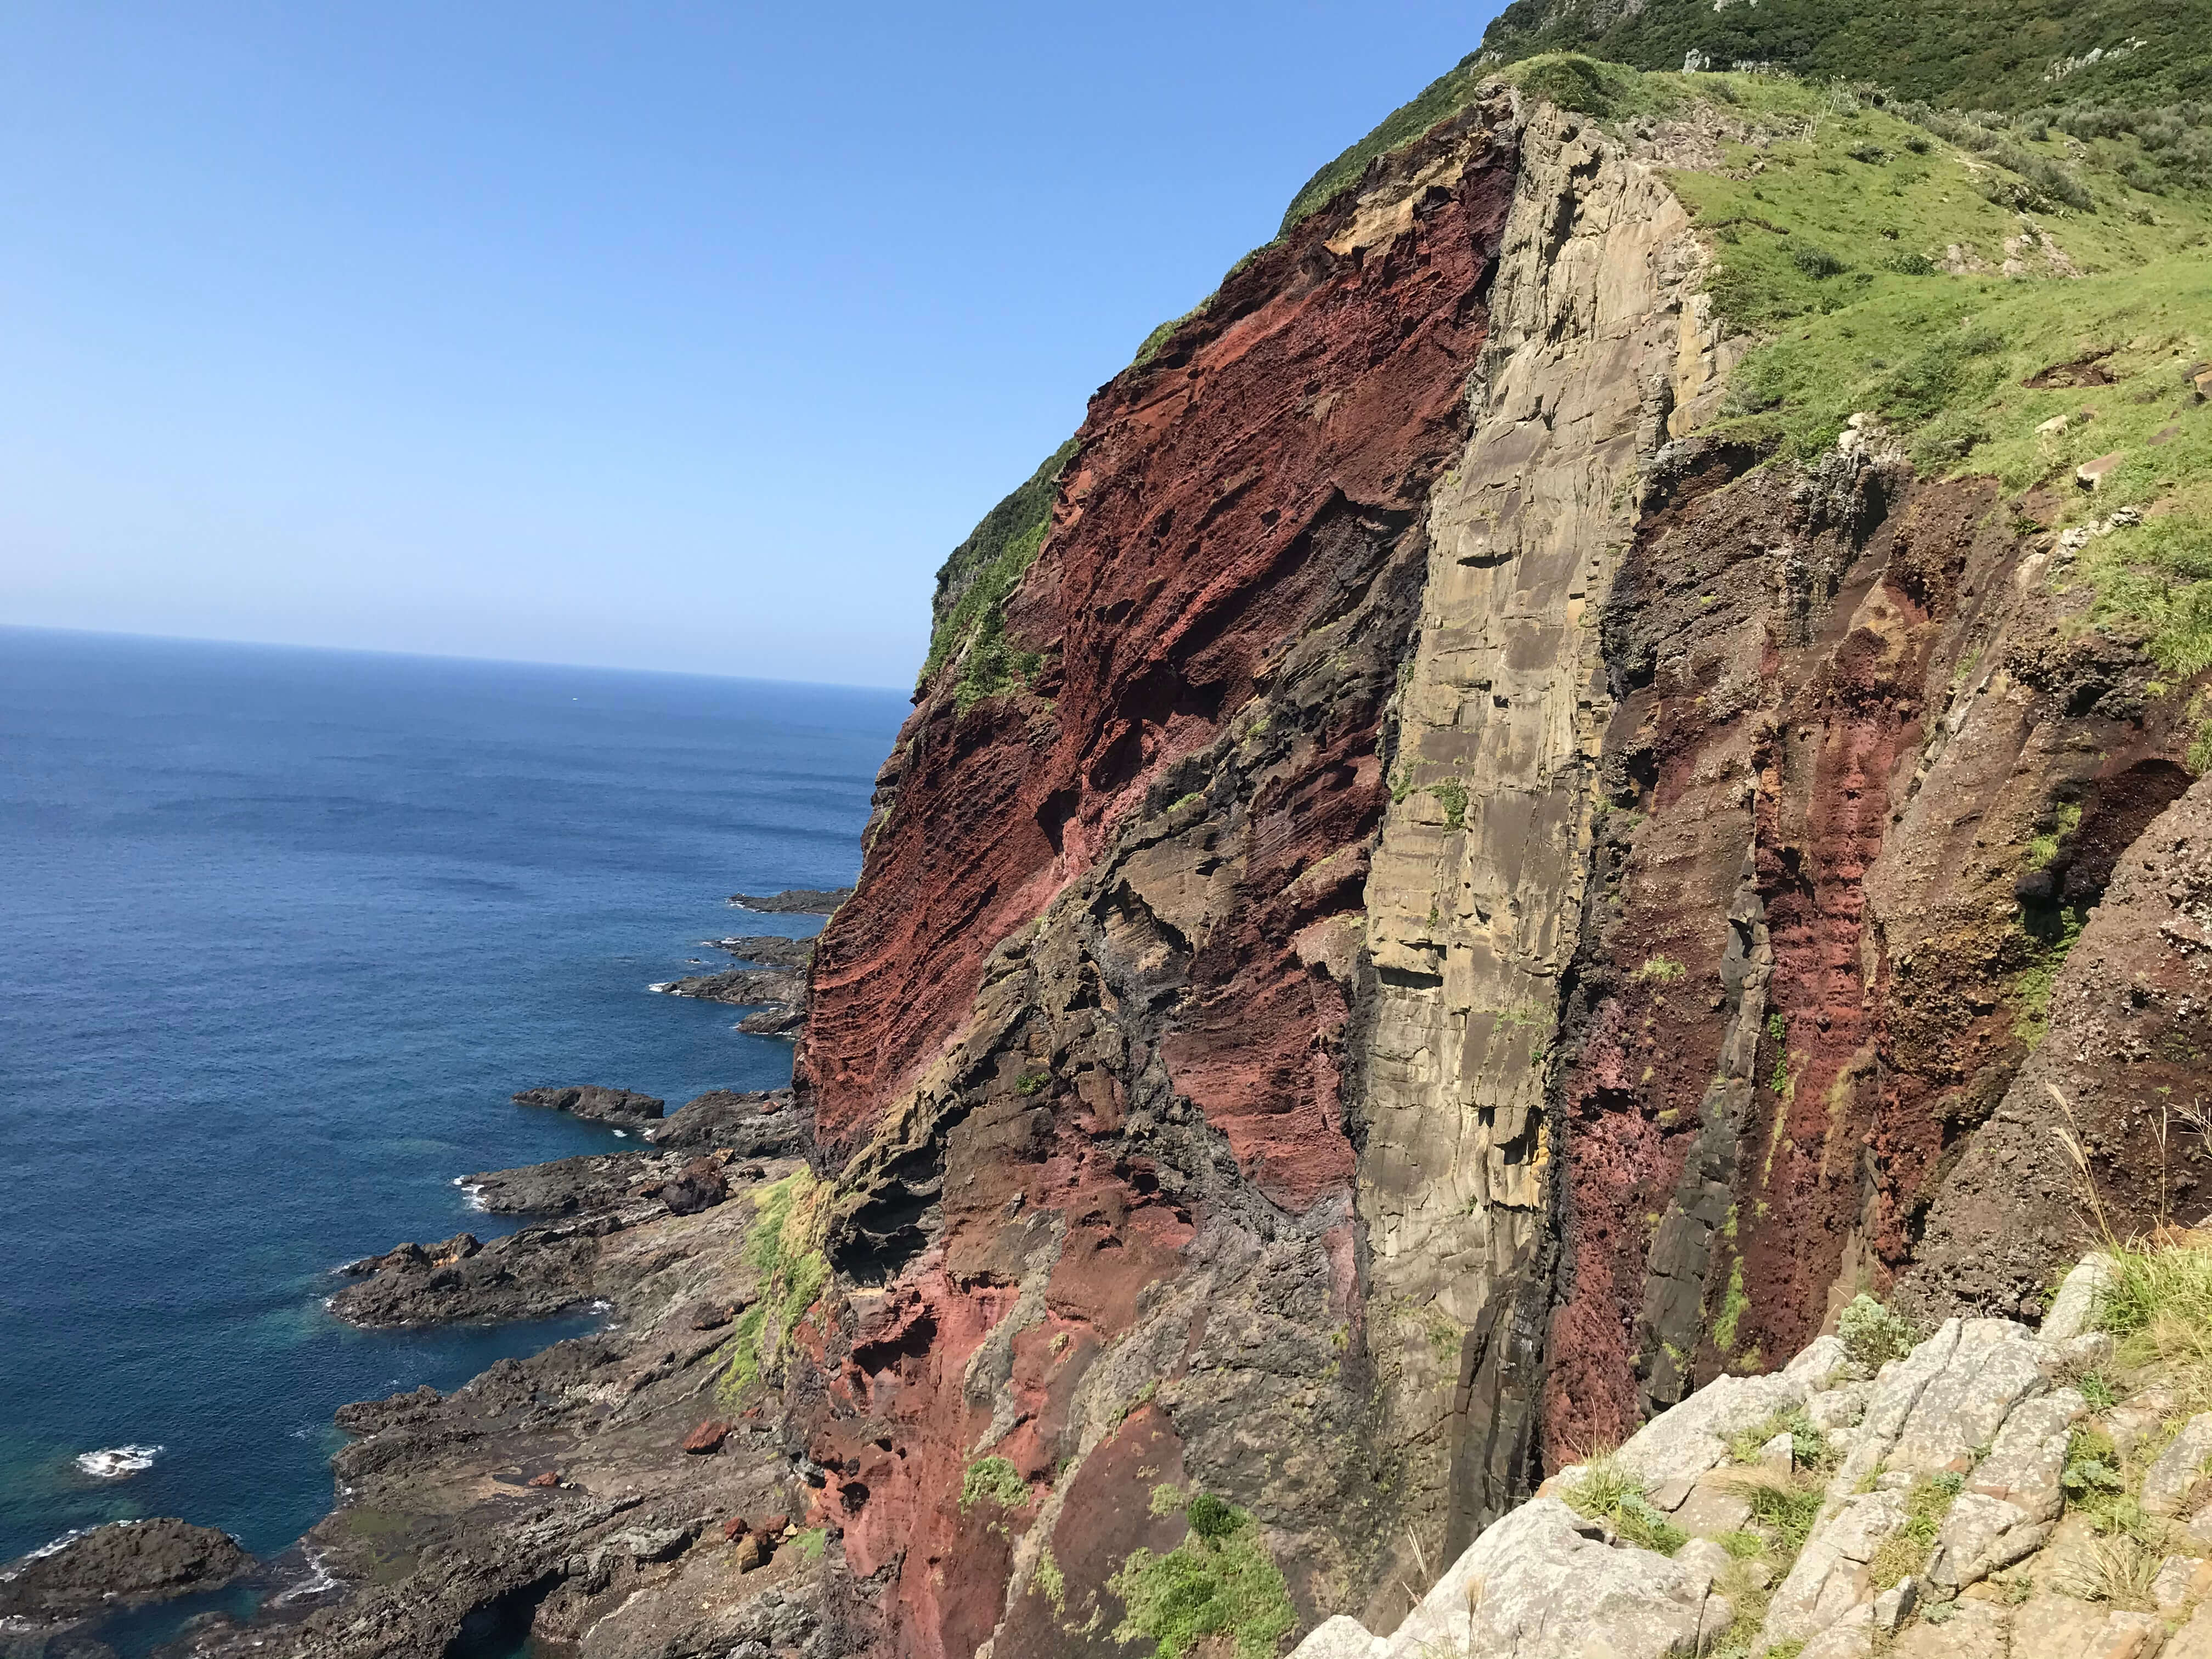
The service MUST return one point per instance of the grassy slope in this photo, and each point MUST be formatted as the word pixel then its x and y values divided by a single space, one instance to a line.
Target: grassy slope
pixel 1986 54
pixel 1819 235
pixel 1832 229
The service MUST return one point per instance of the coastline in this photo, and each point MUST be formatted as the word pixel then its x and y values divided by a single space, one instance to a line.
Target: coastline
pixel 455 1512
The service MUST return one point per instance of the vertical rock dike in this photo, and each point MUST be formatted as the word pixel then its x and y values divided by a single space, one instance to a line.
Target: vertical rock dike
pixel 1179 1065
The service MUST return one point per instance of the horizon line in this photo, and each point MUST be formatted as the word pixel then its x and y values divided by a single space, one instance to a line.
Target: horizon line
pixel 437 656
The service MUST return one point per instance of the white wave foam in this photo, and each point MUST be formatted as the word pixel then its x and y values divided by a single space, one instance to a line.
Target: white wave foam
pixel 118 1463
pixel 472 1197
pixel 665 985
pixel 622 1134
pixel 318 1581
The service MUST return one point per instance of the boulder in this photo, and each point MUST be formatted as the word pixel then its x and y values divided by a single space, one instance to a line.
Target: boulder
pixel 1541 1583
pixel 2074 1309
pixel 707 1438
pixel 2091 474
pixel 2175 1478
pixel 1833 1575
pixel 2028 1456
pixel 1685 1441
pixel 1980 1535
pixel 126 1561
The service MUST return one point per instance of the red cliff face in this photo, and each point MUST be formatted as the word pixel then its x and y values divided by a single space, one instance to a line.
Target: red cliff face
pixel 1075 1047
pixel 1204 524
pixel 1483 910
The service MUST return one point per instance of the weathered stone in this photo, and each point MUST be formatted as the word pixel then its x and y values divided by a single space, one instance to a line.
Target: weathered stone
pixel 1541 1584
pixel 1970 1629
pixel 1850 1637
pixel 1980 1535
pixel 1716 1504
pixel 1894 1605
pixel 1832 1574
pixel 2074 1309
pixel 2090 1351
pixel 1685 1440
pixel 707 1438
pixel 1341 1638
pixel 2171 1482
pixel 2028 1456
pixel 1839 1408
pixel 1779 1454
pixel 2057 1627
pixel 2194 1639
pixel 2181 1579
pixel 1704 1557
pixel 2091 474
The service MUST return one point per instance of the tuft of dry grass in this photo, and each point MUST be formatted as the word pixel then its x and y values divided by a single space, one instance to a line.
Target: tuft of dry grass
pixel 2116 1570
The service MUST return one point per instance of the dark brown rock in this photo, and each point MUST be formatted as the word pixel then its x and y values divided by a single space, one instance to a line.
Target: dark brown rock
pixel 793 901
pixel 623 1107
pixel 126 1561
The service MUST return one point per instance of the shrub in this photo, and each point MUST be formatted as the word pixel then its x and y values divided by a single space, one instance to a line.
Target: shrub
pixel 992 1481
pixel 1663 969
pixel 1220 1581
pixel 1816 262
pixel 1872 1333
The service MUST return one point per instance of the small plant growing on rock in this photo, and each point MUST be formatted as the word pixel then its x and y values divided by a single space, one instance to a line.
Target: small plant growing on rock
pixel 992 1481
pixel 1872 1334
pixel 1218 1582
pixel 1787 1512
pixel 1610 1491
pixel 2116 1570
pixel 1662 970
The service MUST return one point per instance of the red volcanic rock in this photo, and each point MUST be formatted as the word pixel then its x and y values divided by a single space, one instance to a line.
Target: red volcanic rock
pixel 708 1437
pixel 550 1477
pixel 1198 529
pixel 734 1526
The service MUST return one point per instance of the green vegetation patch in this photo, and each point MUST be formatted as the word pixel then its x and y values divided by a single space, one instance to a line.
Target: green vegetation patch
pixel 979 576
pixel 1873 1333
pixel 992 1481
pixel 1609 1489
pixel 792 1274
pixel 1219 1581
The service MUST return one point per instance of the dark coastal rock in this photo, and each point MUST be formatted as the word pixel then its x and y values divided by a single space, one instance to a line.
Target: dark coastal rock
pixel 553 1491
pixel 764 1123
pixel 741 988
pixel 623 1107
pixel 793 901
pixel 127 1561
pixel 779 1021
pixel 768 949
pixel 698 1186
pixel 572 1186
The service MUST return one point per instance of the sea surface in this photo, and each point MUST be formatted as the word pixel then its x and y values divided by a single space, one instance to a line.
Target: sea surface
pixel 281 931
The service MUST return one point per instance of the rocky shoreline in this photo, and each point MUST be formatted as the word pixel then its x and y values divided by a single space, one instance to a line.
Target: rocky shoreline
pixel 603 1493
pixel 774 986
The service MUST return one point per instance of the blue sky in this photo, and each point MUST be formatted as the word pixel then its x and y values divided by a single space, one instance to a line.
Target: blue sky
pixel 648 336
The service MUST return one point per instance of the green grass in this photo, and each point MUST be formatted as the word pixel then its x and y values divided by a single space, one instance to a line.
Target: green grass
pixel 2043 848
pixel 1905 1552
pixel 791 1276
pixel 1981 53
pixel 2159 1307
pixel 979 576
pixel 1218 1582
pixel 1734 1303
pixel 2047 937
pixel 992 1481
pixel 1787 1512
pixel 1451 795
pixel 1611 1490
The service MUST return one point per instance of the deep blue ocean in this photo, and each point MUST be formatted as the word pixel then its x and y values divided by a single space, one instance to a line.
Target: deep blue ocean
pixel 280 932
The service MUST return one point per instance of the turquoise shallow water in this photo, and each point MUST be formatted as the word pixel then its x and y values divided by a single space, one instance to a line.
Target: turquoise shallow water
pixel 282 931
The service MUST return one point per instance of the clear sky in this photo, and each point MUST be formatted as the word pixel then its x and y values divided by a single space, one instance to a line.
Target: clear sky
pixel 683 336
